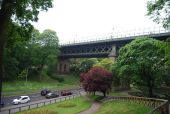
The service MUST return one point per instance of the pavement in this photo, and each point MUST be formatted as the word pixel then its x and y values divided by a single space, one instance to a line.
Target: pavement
pixel 35 97
pixel 95 107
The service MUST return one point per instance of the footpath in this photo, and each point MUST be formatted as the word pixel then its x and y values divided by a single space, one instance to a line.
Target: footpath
pixel 95 107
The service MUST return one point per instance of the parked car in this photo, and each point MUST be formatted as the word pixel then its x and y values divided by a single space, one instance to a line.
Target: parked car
pixel 65 93
pixel 21 99
pixel 45 92
pixel 51 95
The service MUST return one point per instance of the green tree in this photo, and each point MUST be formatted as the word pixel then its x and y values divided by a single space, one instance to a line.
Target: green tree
pixel 142 63
pixel 22 12
pixel 87 64
pixel 15 54
pixel 166 46
pixel 82 65
pixel 159 10
pixel 105 63
pixel 45 49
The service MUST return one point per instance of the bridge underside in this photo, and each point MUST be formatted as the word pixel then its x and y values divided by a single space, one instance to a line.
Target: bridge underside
pixel 89 51
pixel 102 48
pixel 97 49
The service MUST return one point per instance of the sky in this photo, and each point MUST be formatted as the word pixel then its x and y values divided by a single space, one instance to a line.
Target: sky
pixel 75 20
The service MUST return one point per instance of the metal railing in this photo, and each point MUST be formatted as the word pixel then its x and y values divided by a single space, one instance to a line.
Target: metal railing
pixel 41 103
pixel 116 35
pixel 159 106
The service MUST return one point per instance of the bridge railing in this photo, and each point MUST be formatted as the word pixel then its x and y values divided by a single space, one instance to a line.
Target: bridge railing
pixel 159 106
pixel 117 35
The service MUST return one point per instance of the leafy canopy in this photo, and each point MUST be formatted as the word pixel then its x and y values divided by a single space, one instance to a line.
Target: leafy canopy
pixel 159 10
pixel 141 62
pixel 97 79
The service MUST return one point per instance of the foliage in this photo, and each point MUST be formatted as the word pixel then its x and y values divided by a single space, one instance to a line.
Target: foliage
pixel 159 10
pixel 166 47
pixel 22 12
pixel 40 112
pixel 32 54
pixel 142 63
pixel 23 74
pixel 97 79
pixel 67 105
pixel 105 63
pixel 82 65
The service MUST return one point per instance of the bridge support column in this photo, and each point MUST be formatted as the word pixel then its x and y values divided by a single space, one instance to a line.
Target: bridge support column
pixel 63 66
pixel 113 53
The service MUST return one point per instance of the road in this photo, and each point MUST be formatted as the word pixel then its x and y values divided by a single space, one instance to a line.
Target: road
pixel 35 97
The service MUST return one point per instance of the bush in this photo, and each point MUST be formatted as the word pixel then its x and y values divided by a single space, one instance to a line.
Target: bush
pixel 67 105
pixel 40 112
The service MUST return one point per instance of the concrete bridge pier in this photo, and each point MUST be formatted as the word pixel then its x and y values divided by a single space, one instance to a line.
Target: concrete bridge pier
pixel 63 66
pixel 113 54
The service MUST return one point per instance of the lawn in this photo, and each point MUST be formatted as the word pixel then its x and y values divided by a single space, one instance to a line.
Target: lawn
pixel 20 87
pixel 79 104
pixel 118 93
pixel 122 107
pixel 72 106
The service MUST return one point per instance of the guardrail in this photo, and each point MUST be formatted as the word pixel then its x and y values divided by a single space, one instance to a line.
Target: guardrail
pixel 117 35
pixel 160 106
pixel 41 103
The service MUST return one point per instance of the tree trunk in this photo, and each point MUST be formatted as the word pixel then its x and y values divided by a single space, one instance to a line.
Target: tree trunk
pixel 5 15
pixel 40 73
pixel 104 93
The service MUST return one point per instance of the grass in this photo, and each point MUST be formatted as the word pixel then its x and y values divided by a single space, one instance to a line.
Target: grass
pixel 122 107
pixel 72 106
pixel 20 87
pixel 118 93
pixel 80 104
pixel 97 98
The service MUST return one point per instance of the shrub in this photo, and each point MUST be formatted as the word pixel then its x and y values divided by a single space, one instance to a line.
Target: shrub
pixel 41 111
pixel 67 105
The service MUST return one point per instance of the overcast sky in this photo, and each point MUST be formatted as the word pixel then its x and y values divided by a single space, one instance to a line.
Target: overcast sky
pixel 79 19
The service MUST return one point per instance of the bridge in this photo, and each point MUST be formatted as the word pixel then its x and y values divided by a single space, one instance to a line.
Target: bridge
pixel 108 46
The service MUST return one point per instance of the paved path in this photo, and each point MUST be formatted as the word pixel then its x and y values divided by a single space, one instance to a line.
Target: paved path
pixel 95 107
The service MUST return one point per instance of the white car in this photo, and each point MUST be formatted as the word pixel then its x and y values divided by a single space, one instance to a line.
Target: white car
pixel 21 99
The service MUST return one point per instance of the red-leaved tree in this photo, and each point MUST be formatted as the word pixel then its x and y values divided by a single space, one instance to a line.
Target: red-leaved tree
pixel 97 79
